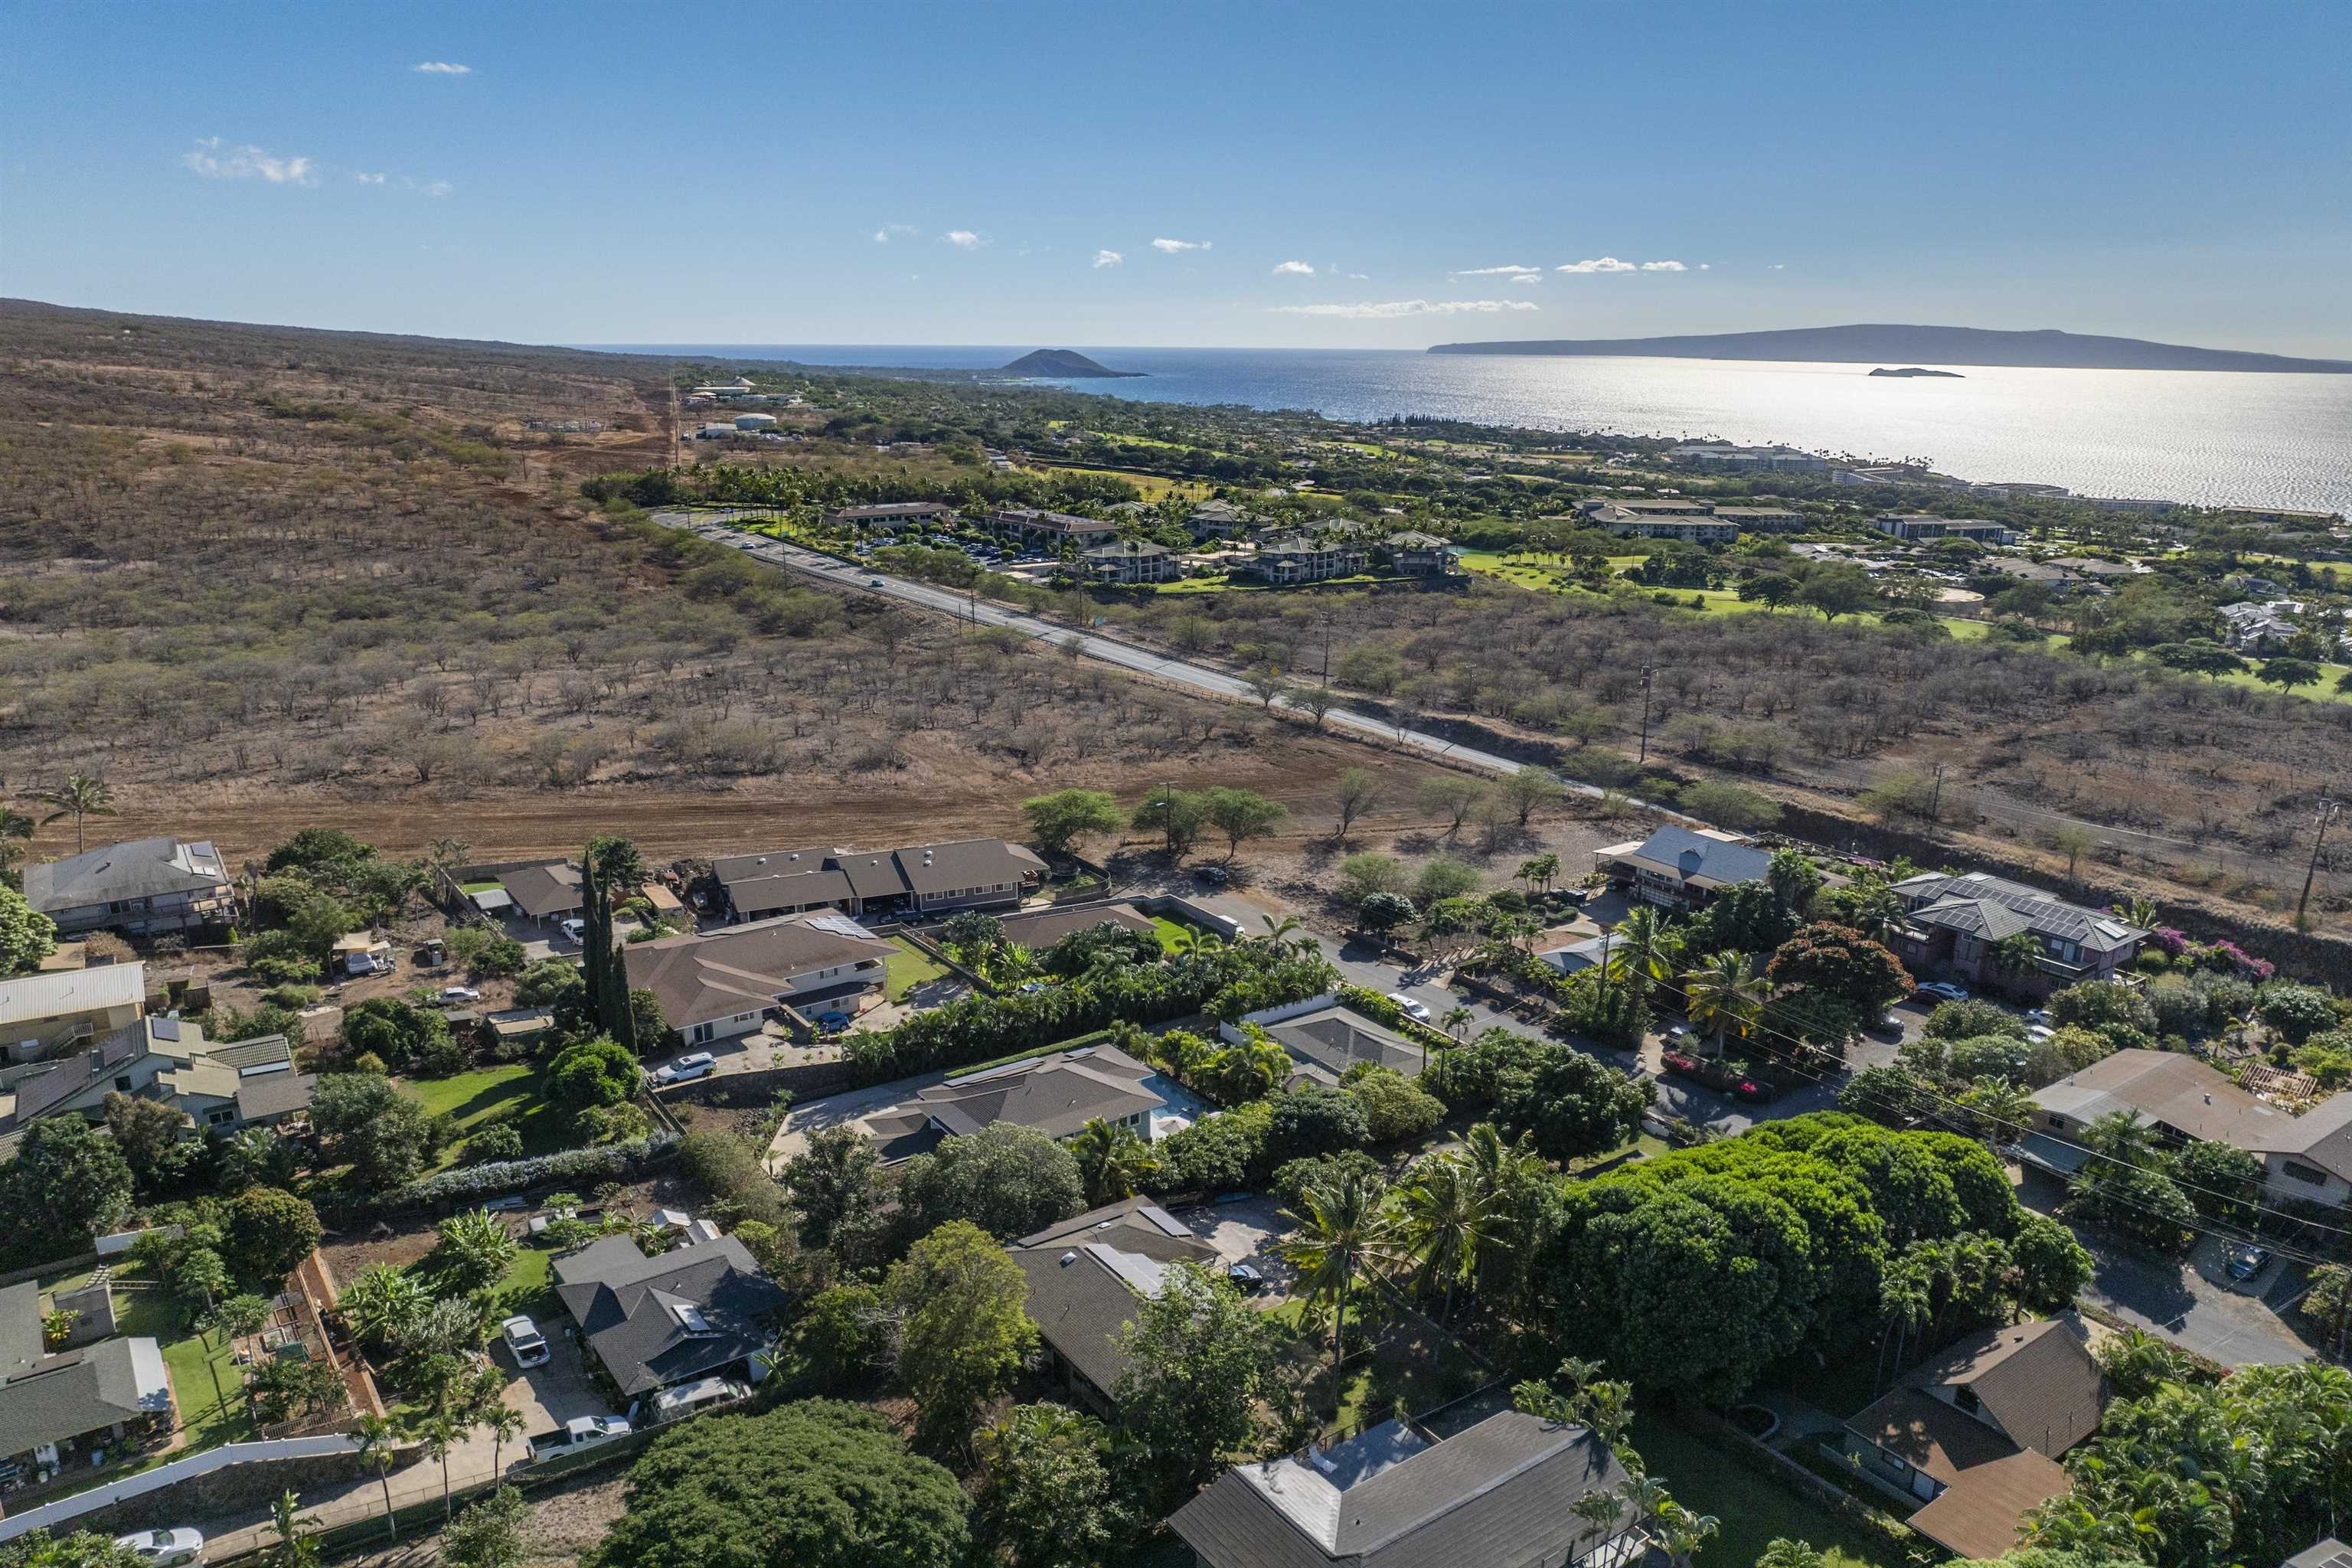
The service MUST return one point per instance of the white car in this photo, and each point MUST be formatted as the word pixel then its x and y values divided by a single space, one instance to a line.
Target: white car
pixel 698 1064
pixel 460 994
pixel 580 1432
pixel 524 1341
pixel 1418 1011
pixel 1942 991
pixel 670 1403
pixel 2037 1033
pixel 165 1548
pixel 574 930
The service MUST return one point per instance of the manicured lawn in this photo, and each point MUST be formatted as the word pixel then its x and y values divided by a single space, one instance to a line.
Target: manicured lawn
pixel 1408 1372
pixel 1646 1145
pixel 908 968
pixel 211 1418
pixel 1753 1510
pixel 2329 674
pixel 474 1098
pixel 1172 932
pixel 471 888
pixel 529 1284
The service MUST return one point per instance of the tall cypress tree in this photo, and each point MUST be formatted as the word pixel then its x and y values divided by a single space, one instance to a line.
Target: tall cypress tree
pixel 611 866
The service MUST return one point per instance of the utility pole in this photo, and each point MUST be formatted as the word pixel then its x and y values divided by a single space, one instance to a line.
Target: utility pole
pixel 1647 671
pixel 1936 798
pixel 2326 811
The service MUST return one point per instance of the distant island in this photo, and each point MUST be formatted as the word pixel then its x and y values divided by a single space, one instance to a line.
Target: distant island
pixel 1064 364
pixel 1914 370
pixel 1930 345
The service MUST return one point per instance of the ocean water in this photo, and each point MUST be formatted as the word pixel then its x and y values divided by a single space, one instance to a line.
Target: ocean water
pixel 2210 438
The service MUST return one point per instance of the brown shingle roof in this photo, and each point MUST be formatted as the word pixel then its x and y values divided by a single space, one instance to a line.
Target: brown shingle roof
pixel 2036 1379
pixel 542 890
pixel 742 970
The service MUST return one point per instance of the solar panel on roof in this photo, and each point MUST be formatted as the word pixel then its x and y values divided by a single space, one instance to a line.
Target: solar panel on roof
pixel 166 1028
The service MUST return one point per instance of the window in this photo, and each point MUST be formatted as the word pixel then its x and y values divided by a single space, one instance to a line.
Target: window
pixel 2302 1172
pixel 123 1083
pixel 220 1118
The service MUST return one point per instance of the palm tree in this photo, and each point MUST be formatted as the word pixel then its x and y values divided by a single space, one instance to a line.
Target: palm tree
pixel 2003 1109
pixel 1906 1301
pixel 2140 912
pixel 1279 934
pixel 1442 1221
pixel 238 1318
pixel 382 1301
pixel 1111 1161
pixel 1456 1020
pixel 373 1437
pixel 13 825
pixel 1539 872
pixel 2016 954
pixel 1251 1068
pixel 1680 1533
pixel 1727 994
pixel 504 1422
pixel 1191 942
pixel 1651 946
pixel 1600 1511
pixel 2122 1137
pixel 440 1434
pixel 1342 1232
pixel 81 795
pixel 298 1538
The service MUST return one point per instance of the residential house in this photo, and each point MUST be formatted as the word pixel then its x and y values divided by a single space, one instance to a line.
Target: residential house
pixel 1326 1039
pixel 1692 529
pixel 1135 561
pixel 1955 926
pixel 2262 626
pixel 1052 530
pixel 1057 1094
pixel 921 880
pixel 888 516
pixel 224 1086
pixel 1284 562
pixel 2307 1157
pixel 149 887
pixel 1574 957
pixel 55 1406
pixel 1413 553
pixel 718 986
pixel 1085 1276
pixel 695 1310
pixel 1683 867
pixel 43 1013
pixel 1038 930
pixel 1914 526
pixel 1725 458
pixel 1976 1435
pixel 2325 1552
pixel 1503 1492
pixel 1647 510
pixel 549 893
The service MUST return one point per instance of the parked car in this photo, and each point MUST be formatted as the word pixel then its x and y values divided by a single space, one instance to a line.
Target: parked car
pixel 1892 1024
pixel 165 1548
pixel 1412 1007
pixel 1678 1036
pixel 2038 1015
pixel 832 1023
pixel 460 994
pixel 875 582
pixel 2037 1033
pixel 1215 876
pixel 2245 1262
pixel 669 1404
pixel 688 1067
pixel 573 929
pixel 1941 991
pixel 524 1341
pixel 1246 1278
pixel 580 1432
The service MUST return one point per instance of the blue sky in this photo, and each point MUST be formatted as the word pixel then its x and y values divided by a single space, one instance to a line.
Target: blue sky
pixel 872 174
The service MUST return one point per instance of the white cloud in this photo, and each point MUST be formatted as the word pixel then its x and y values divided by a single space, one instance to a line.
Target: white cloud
pixel 1389 310
pixel 964 239
pixel 1704 266
pixel 1295 269
pixel 1489 271
pixel 1107 259
pixel 891 231
pixel 1664 267
pixel 444 67
pixel 1529 278
pixel 1777 267
pixel 215 162
pixel 1598 264
pixel 1171 246
pixel 438 188
pixel 368 179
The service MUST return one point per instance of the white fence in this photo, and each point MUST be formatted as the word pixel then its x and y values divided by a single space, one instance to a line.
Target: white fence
pixel 1281 1013
pixel 53 1514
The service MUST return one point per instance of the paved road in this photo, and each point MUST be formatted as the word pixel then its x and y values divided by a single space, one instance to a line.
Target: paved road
pixel 1094 645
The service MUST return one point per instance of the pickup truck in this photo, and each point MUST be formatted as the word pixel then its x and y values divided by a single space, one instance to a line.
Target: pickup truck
pixel 580 1432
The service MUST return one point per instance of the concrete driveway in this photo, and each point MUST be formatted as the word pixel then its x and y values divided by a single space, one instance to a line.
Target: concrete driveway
pixel 552 1393
pixel 1245 1231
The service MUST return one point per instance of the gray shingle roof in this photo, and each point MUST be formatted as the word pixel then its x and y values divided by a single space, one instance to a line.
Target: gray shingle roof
pixel 1696 855
pixel 542 890
pixel 45 1398
pixel 141 868
pixel 1502 1492
pixel 1086 1274
pixel 627 1305
pixel 742 969
pixel 1994 907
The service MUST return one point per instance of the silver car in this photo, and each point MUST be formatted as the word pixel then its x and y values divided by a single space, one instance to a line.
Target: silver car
pixel 165 1548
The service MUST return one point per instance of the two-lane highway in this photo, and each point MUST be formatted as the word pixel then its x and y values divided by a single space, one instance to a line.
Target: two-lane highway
pixel 714 526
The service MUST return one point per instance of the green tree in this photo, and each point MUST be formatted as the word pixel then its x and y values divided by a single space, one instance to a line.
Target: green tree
pixel 148 1133
pixel 1445 1218
pixel 68 1183
pixel 1007 1179
pixel 1044 1497
pixel 1362 875
pixel 1240 815
pixel 269 1231
pixel 1177 816
pixel 1060 819
pixel 27 936
pixel 1841 963
pixel 2287 674
pixel 1725 995
pixel 1111 1162
pixel 473 1251
pixel 1200 1363
pixel 1342 1231
pixel 80 796
pixel 298 1538
pixel 815 1484
pixel 1794 880
pixel 1358 792
pixel 375 1442
pixel 965 1331
pixel 496 1531
pixel 830 1182
pixel 1837 591
pixel 369 1122
pixel 1575 1106
pixel 595 1071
